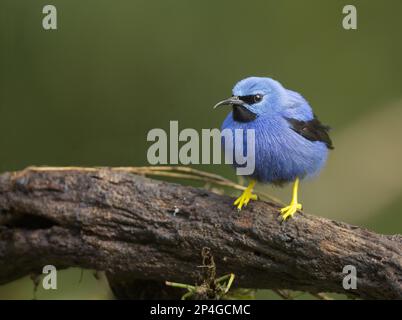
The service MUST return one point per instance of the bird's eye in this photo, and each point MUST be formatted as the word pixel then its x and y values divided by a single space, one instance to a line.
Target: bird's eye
pixel 250 99
pixel 257 98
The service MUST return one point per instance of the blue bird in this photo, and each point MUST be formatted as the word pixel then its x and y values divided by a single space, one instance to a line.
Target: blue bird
pixel 290 142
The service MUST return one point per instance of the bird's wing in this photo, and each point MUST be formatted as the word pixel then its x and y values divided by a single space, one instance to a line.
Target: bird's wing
pixel 296 107
pixel 312 130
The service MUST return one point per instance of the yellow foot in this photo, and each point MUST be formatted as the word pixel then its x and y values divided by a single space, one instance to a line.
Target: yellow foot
pixel 290 210
pixel 244 199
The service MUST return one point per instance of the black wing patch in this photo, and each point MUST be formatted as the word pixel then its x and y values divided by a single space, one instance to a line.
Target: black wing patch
pixel 312 130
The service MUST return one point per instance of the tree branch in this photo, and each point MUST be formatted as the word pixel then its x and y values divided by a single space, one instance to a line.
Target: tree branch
pixel 136 228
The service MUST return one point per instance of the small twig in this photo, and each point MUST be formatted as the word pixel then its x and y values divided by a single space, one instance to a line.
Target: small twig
pixel 322 296
pixel 167 171
pixel 284 294
pixel 180 285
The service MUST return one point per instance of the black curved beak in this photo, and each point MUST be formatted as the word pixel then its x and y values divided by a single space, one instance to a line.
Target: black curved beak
pixel 240 112
pixel 234 101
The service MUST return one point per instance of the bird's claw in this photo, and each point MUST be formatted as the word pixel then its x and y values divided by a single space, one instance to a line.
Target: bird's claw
pixel 244 199
pixel 290 210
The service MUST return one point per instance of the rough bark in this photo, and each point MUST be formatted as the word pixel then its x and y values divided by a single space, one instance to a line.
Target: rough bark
pixel 138 229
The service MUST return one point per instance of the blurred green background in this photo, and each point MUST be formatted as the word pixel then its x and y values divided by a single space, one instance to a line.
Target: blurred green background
pixel 87 93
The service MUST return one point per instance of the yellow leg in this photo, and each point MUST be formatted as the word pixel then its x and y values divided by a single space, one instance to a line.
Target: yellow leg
pixel 294 205
pixel 246 196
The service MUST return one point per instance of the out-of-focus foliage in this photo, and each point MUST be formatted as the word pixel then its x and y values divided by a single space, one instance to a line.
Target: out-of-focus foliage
pixel 88 93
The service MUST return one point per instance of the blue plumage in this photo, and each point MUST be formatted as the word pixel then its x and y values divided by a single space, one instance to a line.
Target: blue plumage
pixel 281 154
pixel 290 142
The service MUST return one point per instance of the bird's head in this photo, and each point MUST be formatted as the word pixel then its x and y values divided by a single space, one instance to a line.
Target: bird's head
pixel 253 97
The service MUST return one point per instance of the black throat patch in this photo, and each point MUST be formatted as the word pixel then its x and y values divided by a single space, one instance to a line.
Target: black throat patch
pixel 242 114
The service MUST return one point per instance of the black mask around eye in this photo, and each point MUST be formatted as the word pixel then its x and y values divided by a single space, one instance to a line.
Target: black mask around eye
pixel 240 111
pixel 251 99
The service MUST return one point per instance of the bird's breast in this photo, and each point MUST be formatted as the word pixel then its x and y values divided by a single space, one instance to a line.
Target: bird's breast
pixel 280 153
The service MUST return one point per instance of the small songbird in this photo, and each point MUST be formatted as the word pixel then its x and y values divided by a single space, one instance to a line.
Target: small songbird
pixel 290 142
